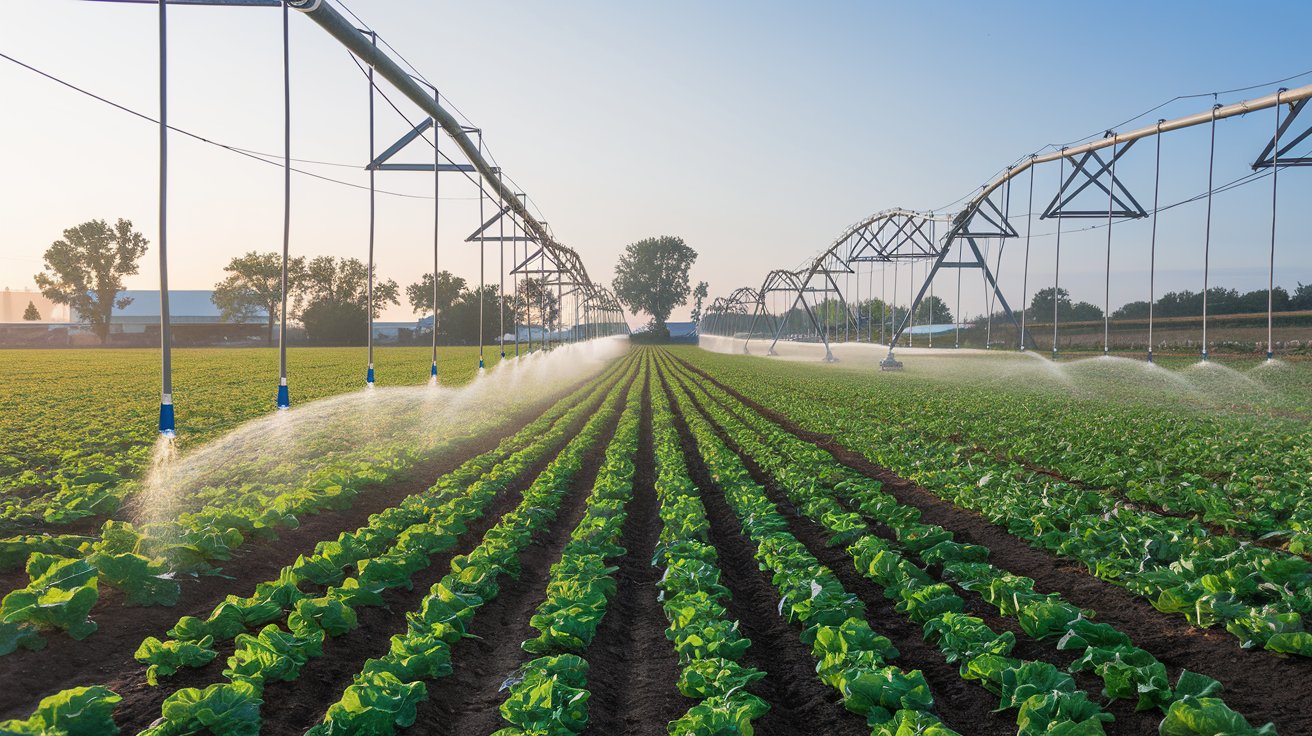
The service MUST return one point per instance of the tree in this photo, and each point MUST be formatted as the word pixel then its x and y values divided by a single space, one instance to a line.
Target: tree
pixel 254 286
pixel 31 314
pixel 85 270
pixel 1041 304
pixel 1302 297
pixel 420 293
pixel 698 295
pixel 537 303
pixel 652 277
pixel 335 323
pixel 1041 308
pixel 932 310
pixel 345 281
pixel 462 323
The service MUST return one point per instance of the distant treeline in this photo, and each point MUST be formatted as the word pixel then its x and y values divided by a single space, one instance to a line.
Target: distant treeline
pixel 1220 300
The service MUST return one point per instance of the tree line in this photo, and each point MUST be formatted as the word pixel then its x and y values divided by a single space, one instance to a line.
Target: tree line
pixel 328 296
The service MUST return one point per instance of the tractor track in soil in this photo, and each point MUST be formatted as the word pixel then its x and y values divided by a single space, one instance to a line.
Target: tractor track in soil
pixel 963 706
pixel 1128 720
pixel 1248 675
pixel 468 701
pixel 799 702
pixel 106 656
pixel 633 667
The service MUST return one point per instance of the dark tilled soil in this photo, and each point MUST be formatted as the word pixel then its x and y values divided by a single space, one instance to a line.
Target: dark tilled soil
pixel 1261 685
pixel 800 703
pixel 634 669
pixel 467 702
pixel 106 656
pixel 963 706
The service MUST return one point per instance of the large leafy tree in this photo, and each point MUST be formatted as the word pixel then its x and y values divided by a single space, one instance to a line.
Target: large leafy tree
pixel 933 310
pixel 336 295
pixel 85 270
pixel 1041 307
pixel 420 294
pixel 346 281
pixel 254 286
pixel 652 277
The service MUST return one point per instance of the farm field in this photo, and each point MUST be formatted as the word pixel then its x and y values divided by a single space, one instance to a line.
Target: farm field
pixel 652 540
pixel 67 447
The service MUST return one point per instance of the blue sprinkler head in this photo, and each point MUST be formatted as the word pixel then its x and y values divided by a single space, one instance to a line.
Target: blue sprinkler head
pixel 166 427
pixel 480 364
pixel 284 397
pixel 369 376
pixel 434 373
pixel 1270 355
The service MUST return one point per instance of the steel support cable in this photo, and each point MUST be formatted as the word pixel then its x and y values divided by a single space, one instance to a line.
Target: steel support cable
pixel 1025 277
pixel 960 316
pixel 895 269
pixel 911 302
pixel 437 186
pixel 514 256
pixel 369 297
pixel 1207 232
pixel 264 158
pixel 284 400
pixel 932 320
pixel 1107 275
pixel 482 297
pixel 1058 146
pixel 1056 271
pixel 988 316
pixel 501 279
pixel 1152 251
pixel 883 303
pixel 166 422
pixel 1271 263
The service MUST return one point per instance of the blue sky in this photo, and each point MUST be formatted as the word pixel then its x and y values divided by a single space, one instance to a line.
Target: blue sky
pixel 757 131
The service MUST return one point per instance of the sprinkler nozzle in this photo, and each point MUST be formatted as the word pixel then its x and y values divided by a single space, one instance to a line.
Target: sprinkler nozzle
pixel 284 397
pixel 166 426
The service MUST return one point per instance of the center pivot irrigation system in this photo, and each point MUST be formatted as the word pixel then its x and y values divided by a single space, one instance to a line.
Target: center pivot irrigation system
pixel 960 241
pixel 535 253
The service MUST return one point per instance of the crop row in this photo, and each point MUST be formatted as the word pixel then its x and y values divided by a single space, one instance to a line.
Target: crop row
pixel 384 695
pixel 709 645
pixel 422 525
pixel 548 695
pixel 63 589
pixel 851 657
pixel 814 482
pixel 76 452
pixel 388 687
pixel 1259 595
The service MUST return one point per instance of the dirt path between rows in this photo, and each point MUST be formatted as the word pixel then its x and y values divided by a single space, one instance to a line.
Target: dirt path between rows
pixel 634 669
pixel 799 702
pixel 1261 685
pixel 467 702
